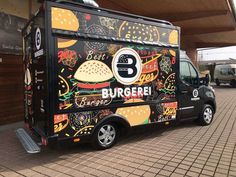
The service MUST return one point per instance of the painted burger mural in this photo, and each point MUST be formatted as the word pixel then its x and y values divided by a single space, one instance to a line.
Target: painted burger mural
pixel 106 75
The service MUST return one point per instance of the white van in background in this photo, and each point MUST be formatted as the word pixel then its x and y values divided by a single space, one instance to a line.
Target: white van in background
pixel 225 73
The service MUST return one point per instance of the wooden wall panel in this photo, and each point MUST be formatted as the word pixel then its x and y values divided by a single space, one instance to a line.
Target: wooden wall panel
pixel 11 89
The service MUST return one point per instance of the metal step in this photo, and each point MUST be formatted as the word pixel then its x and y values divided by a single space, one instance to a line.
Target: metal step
pixel 27 142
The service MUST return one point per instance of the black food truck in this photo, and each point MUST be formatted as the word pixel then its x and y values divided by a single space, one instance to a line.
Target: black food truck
pixel 93 73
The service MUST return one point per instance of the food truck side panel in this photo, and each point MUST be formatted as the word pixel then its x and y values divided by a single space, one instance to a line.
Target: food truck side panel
pixel 97 78
pixel 88 90
pixel 35 73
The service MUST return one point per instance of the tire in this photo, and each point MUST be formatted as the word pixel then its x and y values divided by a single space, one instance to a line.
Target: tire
pixel 217 82
pixel 206 116
pixel 105 136
pixel 233 83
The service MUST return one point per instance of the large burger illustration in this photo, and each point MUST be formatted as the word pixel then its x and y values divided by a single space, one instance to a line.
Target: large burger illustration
pixel 64 19
pixel 135 115
pixel 93 74
pixel 173 37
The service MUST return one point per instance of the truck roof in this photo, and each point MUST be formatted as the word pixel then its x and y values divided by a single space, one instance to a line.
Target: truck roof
pixel 72 3
pixel 129 28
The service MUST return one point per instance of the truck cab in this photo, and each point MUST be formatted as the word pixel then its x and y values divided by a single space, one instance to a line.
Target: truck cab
pixel 196 97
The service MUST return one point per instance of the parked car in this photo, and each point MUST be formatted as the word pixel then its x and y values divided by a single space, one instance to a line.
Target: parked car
pixel 225 74
pixel 96 73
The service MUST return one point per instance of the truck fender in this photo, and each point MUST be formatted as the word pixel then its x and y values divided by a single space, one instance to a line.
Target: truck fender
pixel 116 119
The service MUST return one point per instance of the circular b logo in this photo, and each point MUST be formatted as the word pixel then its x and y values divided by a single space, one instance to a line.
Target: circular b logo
pixel 127 66
pixel 38 39
pixel 195 93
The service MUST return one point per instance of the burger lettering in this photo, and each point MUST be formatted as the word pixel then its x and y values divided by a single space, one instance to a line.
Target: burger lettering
pixel 91 100
pixel 126 92
pixel 93 56
pixel 149 70
pixel 146 78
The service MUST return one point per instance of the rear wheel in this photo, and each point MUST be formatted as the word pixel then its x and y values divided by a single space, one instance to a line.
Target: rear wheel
pixel 207 115
pixel 217 82
pixel 105 136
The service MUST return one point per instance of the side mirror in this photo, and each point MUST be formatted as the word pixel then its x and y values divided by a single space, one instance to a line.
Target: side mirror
pixel 207 79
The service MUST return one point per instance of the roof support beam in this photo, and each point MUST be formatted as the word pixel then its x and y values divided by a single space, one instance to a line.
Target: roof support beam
pixel 213 44
pixel 196 31
pixel 177 17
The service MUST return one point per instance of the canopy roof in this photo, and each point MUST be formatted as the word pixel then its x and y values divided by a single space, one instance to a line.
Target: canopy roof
pixel 206 23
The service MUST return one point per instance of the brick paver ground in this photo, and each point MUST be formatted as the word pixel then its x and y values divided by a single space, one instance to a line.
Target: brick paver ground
pixel 183 150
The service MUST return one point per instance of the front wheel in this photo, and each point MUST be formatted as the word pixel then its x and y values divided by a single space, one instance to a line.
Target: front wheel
pixel 105 136
pixel 207 115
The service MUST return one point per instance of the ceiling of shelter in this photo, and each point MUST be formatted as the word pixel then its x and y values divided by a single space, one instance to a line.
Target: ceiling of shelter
pixel 206 23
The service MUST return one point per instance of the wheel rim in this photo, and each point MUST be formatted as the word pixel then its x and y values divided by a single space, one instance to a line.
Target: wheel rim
pixel 106 135
pixel 207 115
